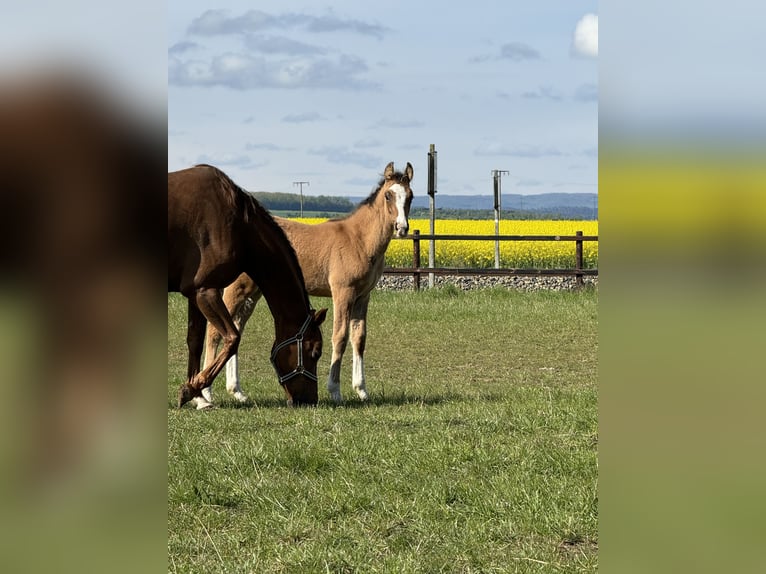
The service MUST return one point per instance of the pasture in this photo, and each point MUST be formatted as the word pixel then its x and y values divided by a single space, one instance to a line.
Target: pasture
pixel 477 451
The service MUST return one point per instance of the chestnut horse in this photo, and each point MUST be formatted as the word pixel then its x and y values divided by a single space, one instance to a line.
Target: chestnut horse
pixel 340 258
pixel 215 232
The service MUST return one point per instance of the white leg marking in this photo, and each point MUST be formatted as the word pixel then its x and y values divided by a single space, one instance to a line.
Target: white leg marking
pixel 232 379
pixel 232 373
pixel 357 380
pixel 207 394
pixel 201 403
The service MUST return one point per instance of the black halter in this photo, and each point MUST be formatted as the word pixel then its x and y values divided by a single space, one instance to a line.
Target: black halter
pixel 299 369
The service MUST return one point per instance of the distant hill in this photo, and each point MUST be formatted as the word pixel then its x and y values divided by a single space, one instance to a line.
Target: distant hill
pixel 515 206
pixel 543 205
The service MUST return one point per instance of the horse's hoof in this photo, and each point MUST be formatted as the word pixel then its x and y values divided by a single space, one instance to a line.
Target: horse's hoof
pixel 207 394
pixel 363 396
pixel 202 404
pixel 241 397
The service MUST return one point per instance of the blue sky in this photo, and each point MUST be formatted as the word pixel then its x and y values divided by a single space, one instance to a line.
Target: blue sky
pixel 279 91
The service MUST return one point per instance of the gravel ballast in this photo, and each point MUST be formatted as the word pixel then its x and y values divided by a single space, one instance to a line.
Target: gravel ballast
pixel 471 282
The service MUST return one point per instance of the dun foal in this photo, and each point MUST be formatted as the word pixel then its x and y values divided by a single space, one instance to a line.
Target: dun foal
pixel 341 258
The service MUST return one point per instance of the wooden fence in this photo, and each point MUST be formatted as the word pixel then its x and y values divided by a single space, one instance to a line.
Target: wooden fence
pixel 417 271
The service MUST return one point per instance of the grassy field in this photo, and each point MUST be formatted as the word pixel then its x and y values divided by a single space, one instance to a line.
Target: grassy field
pixel 476 453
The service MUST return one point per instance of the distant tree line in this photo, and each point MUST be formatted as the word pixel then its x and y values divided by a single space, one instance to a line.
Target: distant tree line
pixel 276 201
pixel 330 206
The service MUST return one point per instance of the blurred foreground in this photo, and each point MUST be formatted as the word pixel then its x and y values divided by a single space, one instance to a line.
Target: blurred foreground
pixel 681 337
pixel 82 435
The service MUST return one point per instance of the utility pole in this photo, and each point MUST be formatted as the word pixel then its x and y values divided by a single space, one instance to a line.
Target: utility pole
pixel 497 175
pixel 301 183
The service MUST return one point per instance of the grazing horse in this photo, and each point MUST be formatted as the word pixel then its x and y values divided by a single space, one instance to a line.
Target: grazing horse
pixel 340 258
pixel 215 232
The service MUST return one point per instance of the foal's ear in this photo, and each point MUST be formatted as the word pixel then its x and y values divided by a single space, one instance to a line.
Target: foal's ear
pixel 389 171
pixel 408 171
pixel 319 316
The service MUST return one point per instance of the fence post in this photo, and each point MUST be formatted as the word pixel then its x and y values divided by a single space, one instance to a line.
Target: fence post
pixel 578 259
pixel 416 258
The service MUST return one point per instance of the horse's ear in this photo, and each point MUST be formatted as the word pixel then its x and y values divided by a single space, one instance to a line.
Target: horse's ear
pixel 408 171
pixel 319 316
pixel 389 171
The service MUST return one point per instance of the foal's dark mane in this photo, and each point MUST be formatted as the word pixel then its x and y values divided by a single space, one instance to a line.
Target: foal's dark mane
pixel 252 211
pixel 397 176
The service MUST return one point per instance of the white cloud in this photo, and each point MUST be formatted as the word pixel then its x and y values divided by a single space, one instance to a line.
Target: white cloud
pixel 217 22
pixel 585 41
pixel 229 160
pixel 586 93
pixel 514 51
pixel 526 151
pixel 342 155
pixel 249 72
pixel 518 52
pixel 543 93
pixel 301 118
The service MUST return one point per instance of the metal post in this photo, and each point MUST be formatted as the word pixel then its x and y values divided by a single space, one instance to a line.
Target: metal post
pixel 416 258
pixel 497 175
pixel 578 259
pixel 300 183
pixel 432 204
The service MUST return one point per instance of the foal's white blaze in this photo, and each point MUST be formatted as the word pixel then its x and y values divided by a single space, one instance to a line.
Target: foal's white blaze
pixel 402 225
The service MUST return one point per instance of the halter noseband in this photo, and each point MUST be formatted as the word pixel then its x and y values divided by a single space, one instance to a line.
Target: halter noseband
pixel 299 369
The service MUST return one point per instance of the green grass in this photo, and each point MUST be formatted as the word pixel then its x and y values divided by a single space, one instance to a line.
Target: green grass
pixel 476 453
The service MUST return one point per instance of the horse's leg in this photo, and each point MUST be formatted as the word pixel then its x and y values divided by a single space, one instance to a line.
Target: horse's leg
pixel 342 304
pixel 212 341
pixel 212 307
pixel 237 298
pixel 241 316
pixel 195 336
pixel 358 337
pixel 240 298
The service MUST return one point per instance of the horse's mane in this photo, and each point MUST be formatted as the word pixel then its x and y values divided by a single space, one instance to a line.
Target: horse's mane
pixel 397 176
pixel 252 211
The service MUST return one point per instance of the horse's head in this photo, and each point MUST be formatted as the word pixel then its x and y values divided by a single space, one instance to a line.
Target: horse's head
pixel 295 361
pixel 398 196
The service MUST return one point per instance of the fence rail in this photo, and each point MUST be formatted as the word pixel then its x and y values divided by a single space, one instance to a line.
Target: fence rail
pixel 417 271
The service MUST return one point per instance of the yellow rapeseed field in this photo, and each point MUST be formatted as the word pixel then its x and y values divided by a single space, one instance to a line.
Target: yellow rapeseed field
pixel 516 254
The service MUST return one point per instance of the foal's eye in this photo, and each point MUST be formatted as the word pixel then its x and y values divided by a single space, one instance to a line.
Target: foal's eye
pixel 388 196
